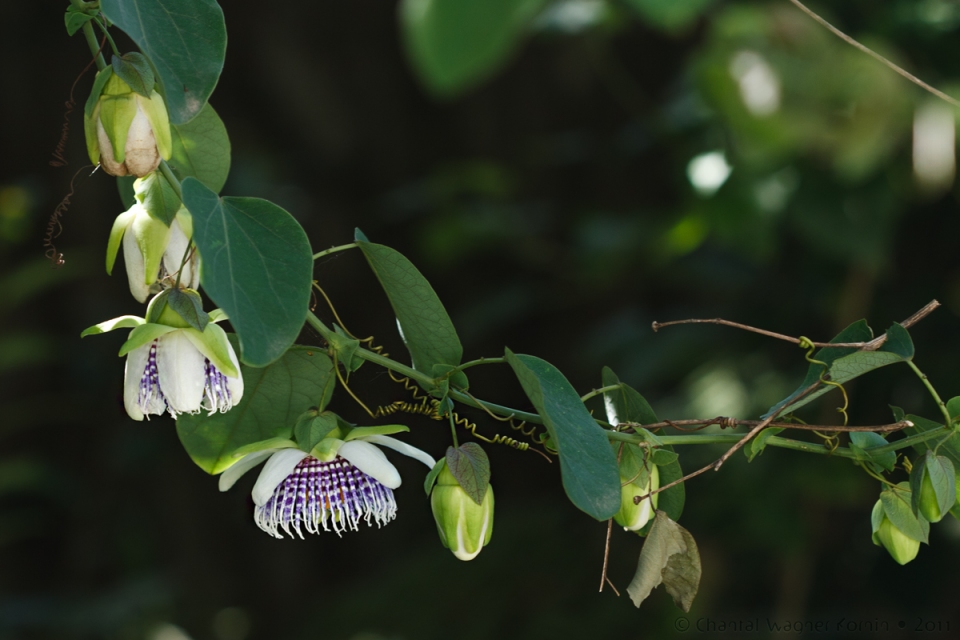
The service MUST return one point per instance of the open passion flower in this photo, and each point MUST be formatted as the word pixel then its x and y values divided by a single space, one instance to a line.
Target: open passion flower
pixel 340 483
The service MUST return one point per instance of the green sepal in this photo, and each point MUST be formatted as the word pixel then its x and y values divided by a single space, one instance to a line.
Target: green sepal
pixel 156 112
pixel 74 19
pixel 379 430
pixel 116 114
pixel 187 304
pixel 157 306
pixel 116 236
pixel 270 443
pixel 326 449
pixel 157 196
pixel 218 315
pixel 313 427
pixel 152 236
pixel 144 334
pixel 123 322
pixel 213 344
pixel 432 476
pixel 896 506
pixel 95 92
pixel 134 69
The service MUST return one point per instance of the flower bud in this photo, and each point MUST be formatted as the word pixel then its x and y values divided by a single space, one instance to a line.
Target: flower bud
pixel 900 547
pixel 929 506
pixel 633 516
pixel 127 133
pixel 465 527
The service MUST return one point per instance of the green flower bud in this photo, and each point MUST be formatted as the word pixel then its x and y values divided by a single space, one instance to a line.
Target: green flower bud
pixel 633 516
pixel 929 506
pixel 127 133
pixel 465 527
pixel 899 546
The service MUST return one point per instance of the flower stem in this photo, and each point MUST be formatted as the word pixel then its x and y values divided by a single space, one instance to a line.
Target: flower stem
pixel 93 45
pixel 933 392
pixel 172 179
pixel 342 247
pixel 106 33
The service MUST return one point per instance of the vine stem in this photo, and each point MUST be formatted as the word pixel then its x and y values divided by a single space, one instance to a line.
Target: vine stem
pixel 933 392
pixel 342 247
pixel 601 390
pixel 93 45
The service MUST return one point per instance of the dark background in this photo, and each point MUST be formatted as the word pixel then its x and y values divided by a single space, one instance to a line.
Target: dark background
pixel 551 210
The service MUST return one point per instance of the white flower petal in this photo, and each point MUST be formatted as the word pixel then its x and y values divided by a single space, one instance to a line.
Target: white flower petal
pixel 371 461
pixel 133 261
pixel 132 373
pixel 402 447
pixel 109 163
pixel 229 477
pixel 173 256
pixel 180 368
pixel 142 156
pixel 280 465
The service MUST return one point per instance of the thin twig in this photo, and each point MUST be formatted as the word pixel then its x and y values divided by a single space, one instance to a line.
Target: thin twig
pixel 870 52
pixel 606 557
pixel 729 423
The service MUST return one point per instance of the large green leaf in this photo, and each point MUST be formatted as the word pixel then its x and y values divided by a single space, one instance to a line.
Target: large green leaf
pixel 426 327
pixel 186 41
pixel 627 405
pixel 257 267
pixel 201 148
pixel 587 463
pixel 847 363
pixel 274 397
pixel 456 44
pixel 669 556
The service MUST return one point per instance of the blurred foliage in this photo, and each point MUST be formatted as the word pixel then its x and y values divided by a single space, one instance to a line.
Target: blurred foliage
pixel 608 164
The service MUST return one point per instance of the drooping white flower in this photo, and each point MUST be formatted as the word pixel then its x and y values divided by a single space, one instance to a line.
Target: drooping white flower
pixel 174 368
pixel 152 250
pixel 350 481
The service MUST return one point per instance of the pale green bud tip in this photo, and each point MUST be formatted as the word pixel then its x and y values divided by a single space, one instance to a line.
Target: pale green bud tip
pixel 900 547
pixel 929 505
pixel 633 516
pixel 465 527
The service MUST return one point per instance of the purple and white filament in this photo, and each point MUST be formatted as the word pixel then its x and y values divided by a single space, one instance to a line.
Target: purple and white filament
pixel 330 495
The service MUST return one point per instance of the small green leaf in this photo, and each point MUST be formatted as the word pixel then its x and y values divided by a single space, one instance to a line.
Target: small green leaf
pixel 186 40
pixel 756 446
pixel 73 19
pixel 201 148
pixel 949 447
pixel 669 556
pixel 866 439
pixel 345 349
pixel 953 407
pixel 189 306
pixel 456 44
pixel 310 432
pixel 432 476
pixel 897 506
pixel 257 266
pixel 470 466
pixel 663 457
pixel 588 465
pixel 940 473
pixel 134 69
pixel 897 413
pixel 425 327
pixel 627 405
pixel 274 397
pixel 157 196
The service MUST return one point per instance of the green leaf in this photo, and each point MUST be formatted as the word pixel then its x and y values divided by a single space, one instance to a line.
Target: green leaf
pixel 274 397
pixel 663 457
pixel 186 41
pixel 257 266
pixel 345 349
pixel 157 196
pixel 942 477
pixel 627 405
pixel 188 306
pixel 669 556
pixel 588 465
pixel 73 19
pixel 863 440
pixel 953 407
pixel 848 363
pixel 379 430
pixel 470 466
pixel 897 506
pixel 135 70
pixel 670 15
pixel 432 476
pixel 310 432
pixel 455 44
pixel 756 446
pixel 949 447
pixel 424 324
pixel 201 148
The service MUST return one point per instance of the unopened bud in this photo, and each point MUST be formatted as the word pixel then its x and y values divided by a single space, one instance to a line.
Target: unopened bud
pixel 465 527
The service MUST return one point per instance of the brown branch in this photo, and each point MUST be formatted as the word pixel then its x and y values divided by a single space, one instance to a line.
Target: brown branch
pixel 606 557
pixel 729 423
pixel 870 52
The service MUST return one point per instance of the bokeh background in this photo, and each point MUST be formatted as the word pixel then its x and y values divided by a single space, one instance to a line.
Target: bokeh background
pixel 629 161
